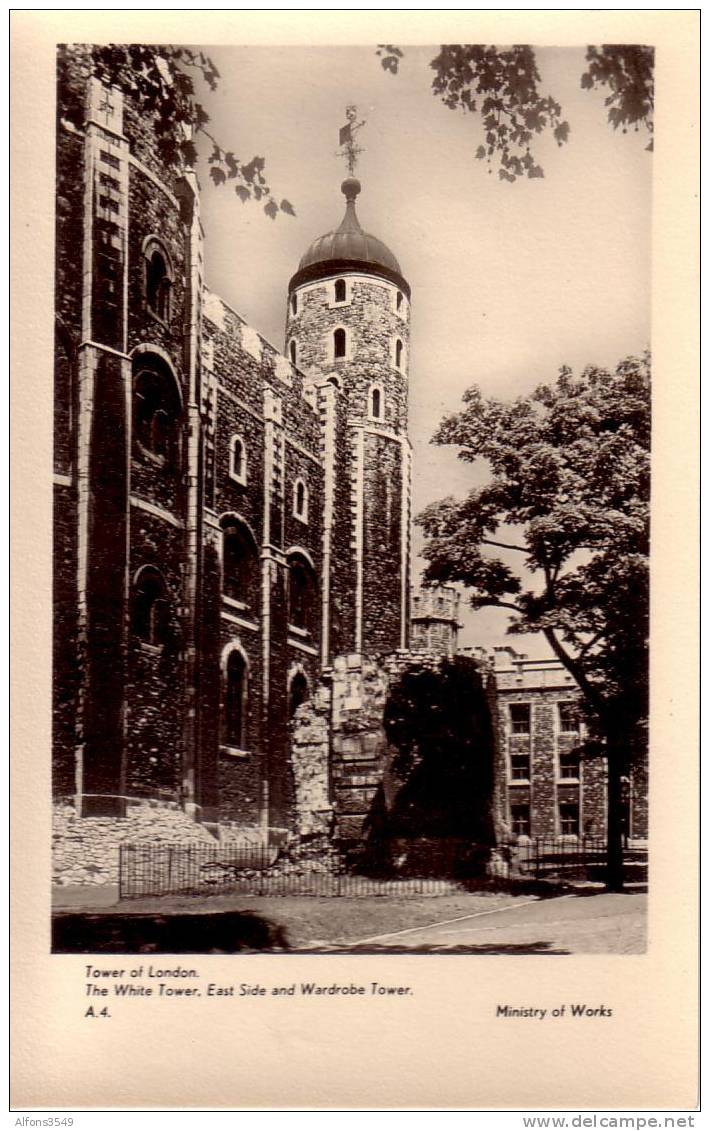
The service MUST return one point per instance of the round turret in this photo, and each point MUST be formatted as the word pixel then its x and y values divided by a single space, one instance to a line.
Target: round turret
pixel 347 330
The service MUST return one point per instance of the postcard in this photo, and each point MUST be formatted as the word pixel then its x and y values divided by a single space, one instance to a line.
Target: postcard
pixel 355 471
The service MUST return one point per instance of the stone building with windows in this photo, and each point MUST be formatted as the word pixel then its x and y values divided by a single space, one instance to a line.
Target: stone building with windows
pixel 544 787
pixel 229 519
pixel 232 530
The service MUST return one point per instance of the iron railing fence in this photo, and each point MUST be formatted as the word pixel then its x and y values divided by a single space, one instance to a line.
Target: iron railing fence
pixel 566 855
pixel 252 869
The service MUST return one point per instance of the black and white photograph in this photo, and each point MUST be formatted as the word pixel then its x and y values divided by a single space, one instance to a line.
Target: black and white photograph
pixel 353 356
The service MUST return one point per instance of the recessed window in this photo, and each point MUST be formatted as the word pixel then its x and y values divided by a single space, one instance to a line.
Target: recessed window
pixel 520 819
pixel 569 819
pixel 158 280
pixel 150 609
pixel 569 718
pixel 376 403
pixel 398 353
pixel 294 304
pixel 341 291
pixel 235 700
pixel 156 411
pixel 339 343
pixel 520 718
pixel 300 500
pixel 239 562
pixel 238 459
pixel 519 767
pixel 301 593
pixel 400 300
pixel 297 693
pixel 292 351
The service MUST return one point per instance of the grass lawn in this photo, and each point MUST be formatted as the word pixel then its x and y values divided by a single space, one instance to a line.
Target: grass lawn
pixel 307 920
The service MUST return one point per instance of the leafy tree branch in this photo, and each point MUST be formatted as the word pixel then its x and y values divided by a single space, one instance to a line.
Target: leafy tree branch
pixel 159 79
pixel 501 89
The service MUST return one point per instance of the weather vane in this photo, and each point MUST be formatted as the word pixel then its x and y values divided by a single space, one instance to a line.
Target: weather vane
pixel 348 149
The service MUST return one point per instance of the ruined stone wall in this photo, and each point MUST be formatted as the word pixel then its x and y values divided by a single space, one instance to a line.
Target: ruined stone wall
pixel 85 850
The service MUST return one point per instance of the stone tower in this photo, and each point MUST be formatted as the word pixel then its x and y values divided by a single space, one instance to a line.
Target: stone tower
pixel 347 331
pixel 435 620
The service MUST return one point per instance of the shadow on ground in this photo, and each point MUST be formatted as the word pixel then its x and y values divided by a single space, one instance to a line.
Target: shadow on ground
pixel 228 932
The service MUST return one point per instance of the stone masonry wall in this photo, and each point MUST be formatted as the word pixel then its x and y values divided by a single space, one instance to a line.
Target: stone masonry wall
pixel 85 849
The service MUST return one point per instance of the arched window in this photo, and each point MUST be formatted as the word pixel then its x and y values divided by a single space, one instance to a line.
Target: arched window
pixel 398 351
pixel 339 343
pixel 158 280
pixel 376 403
pixel 239 562
pixel 235 700
pixel 341 291
pixel 301 593
pixel 297 693
pixel 294 304
pixel 300 500
pixel 238 459
pixel 292 351
pixel 400 299
pixel 150 609
pixel 156 411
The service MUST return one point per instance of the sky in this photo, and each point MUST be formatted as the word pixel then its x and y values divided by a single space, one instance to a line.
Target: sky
pixel 509 281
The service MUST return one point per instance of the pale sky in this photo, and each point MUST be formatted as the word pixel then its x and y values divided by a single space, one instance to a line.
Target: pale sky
pixel 509 281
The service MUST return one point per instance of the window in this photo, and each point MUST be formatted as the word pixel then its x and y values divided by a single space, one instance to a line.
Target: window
pixel 297 693
pixel 235 700
pixel 238 459
pixel 300 500
pixel 520 718
pixel 398 351
pixel 376 403
pixel 294 304
pixel 292 351
pixel 339 343
pixel 519 767
pixel 156 411
pixel 150 609
pixel 158 281
pixel 569 764
pixel 400 300
pixel 301 593
pixel 341 292
pixel 520 819
pixel 569 718
pixel 239 562
pixel 569 819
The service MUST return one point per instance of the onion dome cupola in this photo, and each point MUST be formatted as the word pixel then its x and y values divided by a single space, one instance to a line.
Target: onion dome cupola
pixel 348 248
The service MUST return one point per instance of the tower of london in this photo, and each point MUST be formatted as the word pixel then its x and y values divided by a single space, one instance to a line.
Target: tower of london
pixel 232 523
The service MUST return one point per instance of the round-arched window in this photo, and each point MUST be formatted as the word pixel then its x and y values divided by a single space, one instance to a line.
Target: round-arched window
pixel 301 593
pixel 150 610
pixel 235 700
pixel 156 411
pixel 240 562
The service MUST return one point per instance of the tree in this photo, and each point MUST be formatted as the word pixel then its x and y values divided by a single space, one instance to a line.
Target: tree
pixel 160 82
pixel 501 87
pixel 568 503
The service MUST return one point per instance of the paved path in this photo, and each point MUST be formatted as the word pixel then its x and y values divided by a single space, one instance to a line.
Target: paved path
pixel 570 924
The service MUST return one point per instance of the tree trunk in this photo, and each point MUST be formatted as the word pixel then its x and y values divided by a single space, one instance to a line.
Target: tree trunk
pixel 614 845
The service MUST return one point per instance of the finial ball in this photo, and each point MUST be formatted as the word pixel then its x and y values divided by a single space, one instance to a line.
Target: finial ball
pixel 350 188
